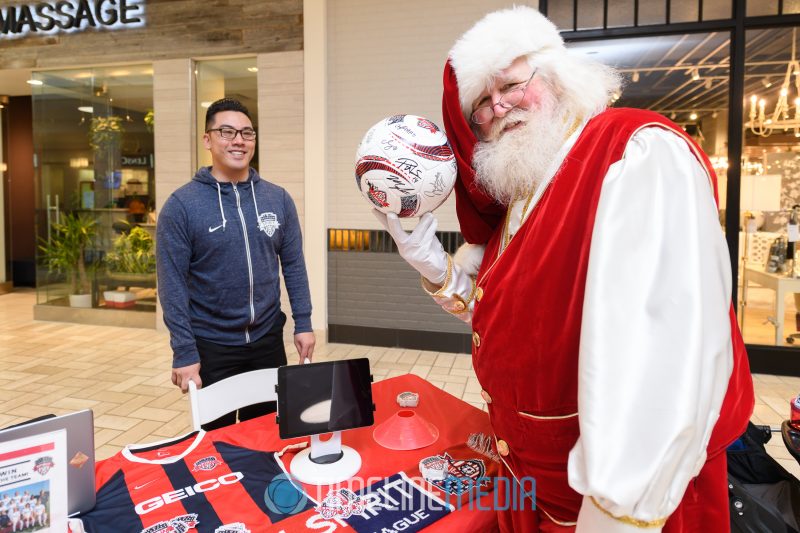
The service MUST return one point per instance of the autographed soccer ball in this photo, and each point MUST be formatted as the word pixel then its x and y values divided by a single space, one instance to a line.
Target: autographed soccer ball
pixel 405 165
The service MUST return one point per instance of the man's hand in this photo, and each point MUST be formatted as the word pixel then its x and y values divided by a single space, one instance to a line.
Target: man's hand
pixel 304 342
pixel 420 248
pixel 181 376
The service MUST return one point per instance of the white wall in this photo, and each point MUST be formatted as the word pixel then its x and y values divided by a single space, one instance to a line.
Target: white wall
pixel 386 58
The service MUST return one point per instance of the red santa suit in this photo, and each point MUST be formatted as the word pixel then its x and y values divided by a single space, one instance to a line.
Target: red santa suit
pixel 603 333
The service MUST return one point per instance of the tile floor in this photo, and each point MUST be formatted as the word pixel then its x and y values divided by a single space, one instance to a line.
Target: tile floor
pixel 122 374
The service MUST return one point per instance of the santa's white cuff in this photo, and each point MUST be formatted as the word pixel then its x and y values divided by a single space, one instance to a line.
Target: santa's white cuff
pixel 595 519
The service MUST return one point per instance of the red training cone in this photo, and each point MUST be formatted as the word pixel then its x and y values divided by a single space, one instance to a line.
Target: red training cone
pixel 405 430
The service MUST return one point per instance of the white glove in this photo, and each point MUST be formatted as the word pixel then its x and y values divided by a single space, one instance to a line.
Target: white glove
pixel 420 248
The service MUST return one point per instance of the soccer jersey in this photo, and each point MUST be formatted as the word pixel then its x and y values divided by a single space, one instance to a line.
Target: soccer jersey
pixel 203 482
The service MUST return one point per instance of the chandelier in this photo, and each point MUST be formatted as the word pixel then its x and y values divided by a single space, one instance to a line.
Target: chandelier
pixel 784 117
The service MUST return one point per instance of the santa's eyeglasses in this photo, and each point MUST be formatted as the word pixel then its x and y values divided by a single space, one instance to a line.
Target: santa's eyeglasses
pixel 509 100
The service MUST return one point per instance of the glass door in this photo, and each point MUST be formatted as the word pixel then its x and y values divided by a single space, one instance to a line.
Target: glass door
pixel 93 151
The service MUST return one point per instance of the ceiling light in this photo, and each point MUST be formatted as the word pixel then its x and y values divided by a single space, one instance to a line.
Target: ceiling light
pixel 709 81
pixel 635 76
pixel 35 82
pixel 2 106
pixel 252 69
pixel 86 109
pixel 766 83
pixel 783 117
pixel 696 74
pixel 693 116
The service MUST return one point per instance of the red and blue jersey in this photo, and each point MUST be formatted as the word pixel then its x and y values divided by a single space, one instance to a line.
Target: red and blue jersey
pixel 204 482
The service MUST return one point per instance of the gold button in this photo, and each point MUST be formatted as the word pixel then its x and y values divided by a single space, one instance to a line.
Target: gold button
pixel 459 306
pixel 502 447
pixel 486 397
pixel 476 339
pixel 479 294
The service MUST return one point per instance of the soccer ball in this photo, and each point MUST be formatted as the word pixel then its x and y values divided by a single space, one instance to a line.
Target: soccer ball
pixel 405 165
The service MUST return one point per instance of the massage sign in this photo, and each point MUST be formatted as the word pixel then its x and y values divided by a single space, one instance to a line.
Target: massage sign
pixel 69 16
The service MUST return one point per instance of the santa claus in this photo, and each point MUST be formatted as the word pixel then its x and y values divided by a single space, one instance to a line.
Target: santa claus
pixel 597 285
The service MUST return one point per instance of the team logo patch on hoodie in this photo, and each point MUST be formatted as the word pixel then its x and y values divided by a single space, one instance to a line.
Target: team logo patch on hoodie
pixel 268 223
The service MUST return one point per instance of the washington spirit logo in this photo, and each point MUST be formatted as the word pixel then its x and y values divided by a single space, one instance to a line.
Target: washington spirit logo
pixel 43 465
pixel 341 503
pixel 268 223
pixel 178 524
pixel 427 124
pixel 377 196
pixel 462 475
pixel 206 464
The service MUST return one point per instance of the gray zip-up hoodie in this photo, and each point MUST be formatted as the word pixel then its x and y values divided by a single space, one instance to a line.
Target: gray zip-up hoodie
pixel 217 250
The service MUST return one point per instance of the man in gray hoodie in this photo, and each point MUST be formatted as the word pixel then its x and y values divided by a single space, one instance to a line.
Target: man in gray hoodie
pixel 220 238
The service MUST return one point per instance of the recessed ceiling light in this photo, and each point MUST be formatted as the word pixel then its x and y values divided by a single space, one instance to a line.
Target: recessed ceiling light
pixel 86 109
pixel 252 69
pixel 35 82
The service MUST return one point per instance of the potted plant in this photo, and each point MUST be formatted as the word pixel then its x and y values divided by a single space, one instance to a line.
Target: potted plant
pixel 66 253
pixel 133 256
pixel 149 120
pixel 105 131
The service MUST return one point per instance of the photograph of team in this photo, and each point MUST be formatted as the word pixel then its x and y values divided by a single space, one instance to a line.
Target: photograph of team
pixel 25 508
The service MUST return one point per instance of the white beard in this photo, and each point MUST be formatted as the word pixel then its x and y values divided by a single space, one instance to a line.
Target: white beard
pixel 511 165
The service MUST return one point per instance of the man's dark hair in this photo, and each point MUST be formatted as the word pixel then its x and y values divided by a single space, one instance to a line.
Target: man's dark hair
pixel 225 104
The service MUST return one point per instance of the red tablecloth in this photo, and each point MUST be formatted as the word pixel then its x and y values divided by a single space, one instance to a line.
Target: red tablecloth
pixel 455 420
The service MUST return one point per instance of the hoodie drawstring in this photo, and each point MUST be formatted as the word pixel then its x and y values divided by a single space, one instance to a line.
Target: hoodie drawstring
pixel 255 204
pixel 221 212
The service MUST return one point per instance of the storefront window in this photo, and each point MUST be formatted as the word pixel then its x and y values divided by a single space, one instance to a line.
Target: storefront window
pixel 683 77
pixel 220 78
pixel 770 194
pixel 93 156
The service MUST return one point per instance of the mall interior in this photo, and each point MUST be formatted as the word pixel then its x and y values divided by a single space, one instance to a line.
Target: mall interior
pixel 101 122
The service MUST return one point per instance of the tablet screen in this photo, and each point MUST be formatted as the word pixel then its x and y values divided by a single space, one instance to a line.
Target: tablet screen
pixel 323 397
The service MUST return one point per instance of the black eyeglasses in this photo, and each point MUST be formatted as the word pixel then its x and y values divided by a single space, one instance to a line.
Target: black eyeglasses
pixel 509 100
pixel 229 134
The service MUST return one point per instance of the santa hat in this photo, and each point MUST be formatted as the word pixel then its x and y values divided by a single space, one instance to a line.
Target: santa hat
pixel 494 42
pixel 481 53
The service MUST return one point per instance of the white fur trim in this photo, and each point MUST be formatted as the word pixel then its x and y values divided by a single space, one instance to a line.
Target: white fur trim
pixel 494 42
pixel 469 257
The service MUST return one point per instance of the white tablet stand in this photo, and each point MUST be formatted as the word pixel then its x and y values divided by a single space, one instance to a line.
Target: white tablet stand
pixel 326 462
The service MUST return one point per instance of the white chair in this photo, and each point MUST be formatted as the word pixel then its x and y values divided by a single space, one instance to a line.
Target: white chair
pixel 209 403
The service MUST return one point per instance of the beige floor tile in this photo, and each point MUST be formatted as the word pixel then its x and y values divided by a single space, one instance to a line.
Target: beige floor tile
pixel 426 358
pixel 141 433
pixel 153 413
pixel 462 361
pixel 456 389
pixel 73 404
pixel 445 360
pixel 121 423
pixel 103 435
pixel 420 370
